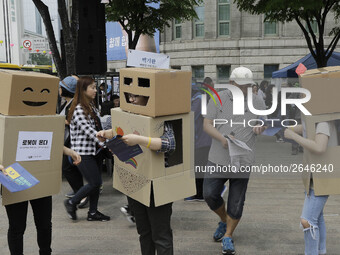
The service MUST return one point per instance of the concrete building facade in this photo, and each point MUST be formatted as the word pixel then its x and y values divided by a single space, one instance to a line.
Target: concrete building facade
pixel 20 21
pixel 223 38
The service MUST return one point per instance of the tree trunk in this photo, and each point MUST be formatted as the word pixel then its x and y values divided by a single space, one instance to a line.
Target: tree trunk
pixel 68 39
pixel 45 15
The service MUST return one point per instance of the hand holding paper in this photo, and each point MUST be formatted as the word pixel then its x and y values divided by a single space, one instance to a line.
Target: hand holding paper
pixel 123 151
pixel 16 178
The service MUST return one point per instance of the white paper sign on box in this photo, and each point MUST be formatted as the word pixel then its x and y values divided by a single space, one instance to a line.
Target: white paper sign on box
pixel 34 146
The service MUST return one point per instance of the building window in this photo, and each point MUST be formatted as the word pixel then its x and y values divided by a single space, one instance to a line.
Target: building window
pixel 198 73
pixel 178 29
pixel 223 73
pixel 223 17
pixel 199 22
pixel 314 25
pixel 176 67
pixel 270 28
pixel 38 27
pixel 269 69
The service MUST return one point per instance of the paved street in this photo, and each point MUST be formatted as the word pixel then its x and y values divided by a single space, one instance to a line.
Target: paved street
pixel 270 223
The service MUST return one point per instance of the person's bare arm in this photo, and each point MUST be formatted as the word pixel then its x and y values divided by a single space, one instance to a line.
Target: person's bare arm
pixel 213 132
pixel 74 155
pixel 317 146
pixel 133 139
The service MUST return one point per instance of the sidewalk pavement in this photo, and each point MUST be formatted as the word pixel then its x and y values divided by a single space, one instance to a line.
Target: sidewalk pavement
pixel 270 222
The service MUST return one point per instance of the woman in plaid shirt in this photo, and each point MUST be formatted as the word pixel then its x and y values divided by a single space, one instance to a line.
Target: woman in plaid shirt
pixel 84 122
pixel 153 223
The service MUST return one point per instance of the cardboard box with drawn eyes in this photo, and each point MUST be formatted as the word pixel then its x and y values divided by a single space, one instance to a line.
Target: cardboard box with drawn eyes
pixel 28 93
pixel 36 143
pixel 324 168
pixel 167 91
pixel 138 175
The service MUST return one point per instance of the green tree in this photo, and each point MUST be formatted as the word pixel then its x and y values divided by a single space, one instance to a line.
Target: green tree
pixel 303 12
pixel 40 59
pixel 137 17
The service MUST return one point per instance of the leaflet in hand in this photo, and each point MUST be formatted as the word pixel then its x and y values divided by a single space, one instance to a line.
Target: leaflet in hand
pixel 123 151
pixel 237 147
pixel 17 178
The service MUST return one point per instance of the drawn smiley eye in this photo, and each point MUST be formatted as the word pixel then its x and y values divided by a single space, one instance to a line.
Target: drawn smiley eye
pixel 28 89
pixel 45 90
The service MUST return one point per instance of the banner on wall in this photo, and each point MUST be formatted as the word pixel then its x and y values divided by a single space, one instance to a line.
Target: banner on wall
pixel 117 42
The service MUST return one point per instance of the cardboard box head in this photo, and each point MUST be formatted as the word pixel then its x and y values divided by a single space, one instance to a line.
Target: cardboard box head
pixel 324 86
pixel 324 168
pixel 48 172
pixel 136 176
pixel 28 93
pixel 167 91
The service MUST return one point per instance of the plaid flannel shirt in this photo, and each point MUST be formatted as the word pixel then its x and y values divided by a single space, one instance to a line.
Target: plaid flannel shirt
pixel 83 132
pixel 168 141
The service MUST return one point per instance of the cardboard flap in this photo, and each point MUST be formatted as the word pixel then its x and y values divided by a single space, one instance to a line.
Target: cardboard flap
pixel 174 187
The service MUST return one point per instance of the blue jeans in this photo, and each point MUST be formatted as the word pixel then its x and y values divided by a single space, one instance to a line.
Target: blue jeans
pixel 315 235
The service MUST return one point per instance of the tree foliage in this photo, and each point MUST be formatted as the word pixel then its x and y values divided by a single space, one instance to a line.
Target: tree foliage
pixel 305 13
pixel 138 17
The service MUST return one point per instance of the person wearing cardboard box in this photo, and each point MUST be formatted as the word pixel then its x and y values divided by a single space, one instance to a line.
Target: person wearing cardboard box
pixel 219 155
pixel 42 213
pixel 312 219
pixel 153 223
pixel 84 122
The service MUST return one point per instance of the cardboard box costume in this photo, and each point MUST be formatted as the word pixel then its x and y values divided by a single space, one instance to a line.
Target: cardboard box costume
pixel 36 142
pixel 324 85
pixel 137 176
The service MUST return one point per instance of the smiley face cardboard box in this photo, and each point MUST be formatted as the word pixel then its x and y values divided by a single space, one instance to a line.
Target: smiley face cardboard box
pixel 28 93
pixel 168 91
pixel 138 175
pixel 36 143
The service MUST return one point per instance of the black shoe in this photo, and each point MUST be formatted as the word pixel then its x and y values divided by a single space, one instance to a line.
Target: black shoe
pixel 70 194
pixel 127 213
pixel 70 209
pixel 83 203
pixel 98 216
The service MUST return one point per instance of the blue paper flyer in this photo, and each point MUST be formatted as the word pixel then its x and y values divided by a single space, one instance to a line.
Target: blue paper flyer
pixel 123 151
pixel 17 178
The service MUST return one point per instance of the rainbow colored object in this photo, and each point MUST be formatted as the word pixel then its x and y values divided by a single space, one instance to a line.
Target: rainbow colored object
pixel 132 162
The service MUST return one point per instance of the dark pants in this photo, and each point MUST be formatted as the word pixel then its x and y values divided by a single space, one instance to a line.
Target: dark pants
pixel 153 227
pixel 201 159
pixel 89 168
pixel 213 187
pixel 72 175
pixel 17 216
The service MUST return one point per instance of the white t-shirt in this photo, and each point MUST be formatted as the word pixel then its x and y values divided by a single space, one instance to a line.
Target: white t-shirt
pixel 328 128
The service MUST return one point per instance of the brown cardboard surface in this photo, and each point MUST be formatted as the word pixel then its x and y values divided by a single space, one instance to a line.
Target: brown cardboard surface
pixel 318 81
pixel 169 184
pixel 169 91
pixel 151 163
pixel 166 189
pixel 48 172
pixel 325 183
pixel 28 93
